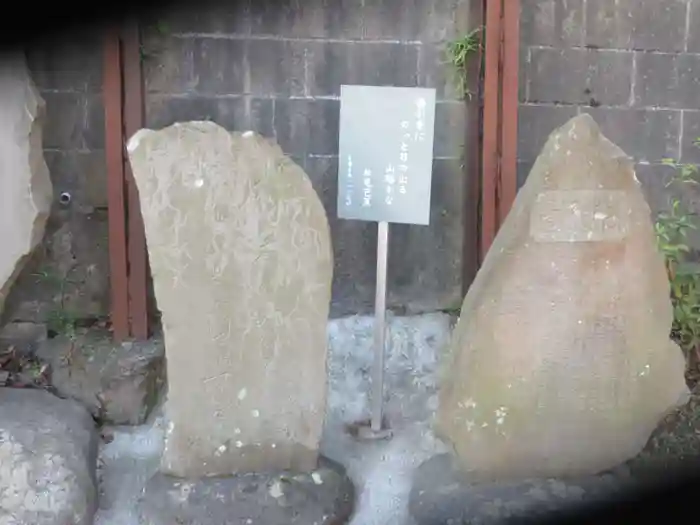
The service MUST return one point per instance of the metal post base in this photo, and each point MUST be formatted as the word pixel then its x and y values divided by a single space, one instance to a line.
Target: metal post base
pixel 366 433
pixel 363 431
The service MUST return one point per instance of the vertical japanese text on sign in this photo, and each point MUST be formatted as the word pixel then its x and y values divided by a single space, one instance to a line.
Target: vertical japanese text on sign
pixel 392 155
pixel 367 194
pixel 349 187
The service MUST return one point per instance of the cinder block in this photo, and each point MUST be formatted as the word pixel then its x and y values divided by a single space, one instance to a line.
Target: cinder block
pixel 344 19
pixel 435 71
pixel 340 19
pixel 164 110
pixel 73 64
pixel 277 67
pixel 331 64
pixel 668 80
pixel 354 245
pixel 394 19
pixel 580 76
pixel 654 179
pixel 70 272
pixel 555 23
pixel 169 65
pixel 306 126
pixel 691 136
pixel 65 115
pixel 419 280
pixel 387 64
pixel 442 20
pixel 207 17
pixel 535 123
pixel 94 130
pixel 644 134
pixel 219 66
pixel 450 129
pixel 81 173
pixel 694 28
pixel 636 24
pixel 524 53
pixel 235 114
pixel 524 167
pixel 74 121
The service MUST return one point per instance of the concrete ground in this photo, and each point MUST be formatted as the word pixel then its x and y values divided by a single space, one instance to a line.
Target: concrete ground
pixel 381 471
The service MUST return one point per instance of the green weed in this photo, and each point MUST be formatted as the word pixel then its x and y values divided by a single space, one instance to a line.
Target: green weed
pixel 458 52
pixel 672 230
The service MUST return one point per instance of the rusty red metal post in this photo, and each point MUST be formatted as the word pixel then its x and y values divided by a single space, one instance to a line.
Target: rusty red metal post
pixel 508 176
pixel 490 155
pixel 500 120
pixel 123 104
pixel 112 92
pixel 472 157
pixel 133 121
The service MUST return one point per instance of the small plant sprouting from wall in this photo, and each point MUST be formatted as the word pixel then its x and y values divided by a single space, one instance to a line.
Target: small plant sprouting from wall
pixel 60 321
pixel 458 53
pixel 672 230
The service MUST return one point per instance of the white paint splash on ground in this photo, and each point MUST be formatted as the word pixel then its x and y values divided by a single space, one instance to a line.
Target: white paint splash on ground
pixel 124 466
pixel 381 470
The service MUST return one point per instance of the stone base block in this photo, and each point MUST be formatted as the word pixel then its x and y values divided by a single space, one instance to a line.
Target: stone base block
pixel 442 495
pixel 324 497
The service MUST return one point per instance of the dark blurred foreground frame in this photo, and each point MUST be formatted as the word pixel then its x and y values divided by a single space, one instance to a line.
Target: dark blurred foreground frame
pixel 662 502
pixel 667 502
pixel 33 24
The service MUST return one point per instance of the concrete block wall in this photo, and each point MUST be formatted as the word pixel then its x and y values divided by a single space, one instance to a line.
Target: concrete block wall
pixel 634 65
pixel 276 68
pixel 69 276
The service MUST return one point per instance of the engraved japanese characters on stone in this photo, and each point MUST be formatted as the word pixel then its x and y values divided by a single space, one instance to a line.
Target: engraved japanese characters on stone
pixel 580 216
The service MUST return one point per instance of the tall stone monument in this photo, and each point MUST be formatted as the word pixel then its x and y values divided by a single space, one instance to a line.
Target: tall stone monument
pixel 240 253
pixel 26 192
pixel 561 362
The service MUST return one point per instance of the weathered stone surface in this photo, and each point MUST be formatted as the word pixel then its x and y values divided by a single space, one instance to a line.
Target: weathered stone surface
pixel 25 187
pixel 323 497
pixel 441 494
pixel 48 454
pixel 118 383
pixel 561 361
pixel 23 337
pixel 68 278
pixel 241 258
